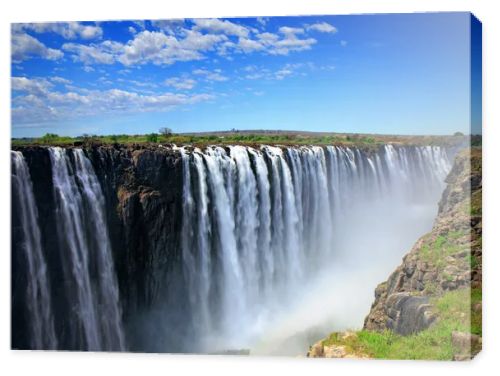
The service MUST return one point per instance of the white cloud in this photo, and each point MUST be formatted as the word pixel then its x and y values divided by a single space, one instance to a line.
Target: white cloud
pixel 155 47
pixel 343 43
pixel 216 26
pixel 147 47
pixel 282 73
pixel 290 30
pixel 169 26
pixel 169 46
pixel 322 27
pixel 214 75
pixel 262 20
pixel 274 45
pixel 59 80
pixel 132 30
pixel 35 86
pixel 37 102
pixel 181 83
pixel 25 46
pixel 287 70
pixel 248 45
pixel 68 30
pixel 141 24
pixel 200 42
pixel 90 54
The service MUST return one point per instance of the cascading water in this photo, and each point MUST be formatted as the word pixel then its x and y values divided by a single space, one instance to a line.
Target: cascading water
pixel 272 244
pixel 38 298
pixel 93 317
pixel 86 253
pixel 278 222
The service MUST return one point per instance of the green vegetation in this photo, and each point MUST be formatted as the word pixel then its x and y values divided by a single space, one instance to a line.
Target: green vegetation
pixel 435 251
pixel 152 137
pixel 165 135
pixel 434 343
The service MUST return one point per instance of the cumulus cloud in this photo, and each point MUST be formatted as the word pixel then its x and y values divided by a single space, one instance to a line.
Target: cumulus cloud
pixel 214 75
pixel 93 53
pixel 322 27
pixel 24 47
pixel 174 42
pixel 219 26
pixel 36 101
pixel 249 45
pixel 277 46
pixel 146 47
pixel 291 31
pixel 68 30
pixel 34 86
pixel 272 44
pixel 180 83
pixel 59 80
pixel 169 26
pixel 159 48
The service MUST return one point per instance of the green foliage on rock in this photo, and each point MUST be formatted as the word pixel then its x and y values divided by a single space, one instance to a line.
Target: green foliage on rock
pixel 433 343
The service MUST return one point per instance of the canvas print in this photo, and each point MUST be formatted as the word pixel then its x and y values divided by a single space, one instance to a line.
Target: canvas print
pixel 297 186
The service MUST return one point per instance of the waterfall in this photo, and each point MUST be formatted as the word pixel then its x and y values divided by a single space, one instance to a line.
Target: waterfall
pixel 270 241
pixel 278 216
pixel 88 285
pixel 86 253
pixel 38 297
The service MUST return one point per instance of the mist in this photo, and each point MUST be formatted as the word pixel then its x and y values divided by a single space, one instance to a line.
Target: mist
pixel 283 246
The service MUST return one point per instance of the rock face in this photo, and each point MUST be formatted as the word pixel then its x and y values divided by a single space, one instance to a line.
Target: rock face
pixel 447 258
pixel 445 262
pixel 408 314
pixel 143 194
pixel 465 343
pixel 321 350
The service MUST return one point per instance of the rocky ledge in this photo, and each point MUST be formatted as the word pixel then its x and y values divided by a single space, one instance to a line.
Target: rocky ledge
pixel 443 267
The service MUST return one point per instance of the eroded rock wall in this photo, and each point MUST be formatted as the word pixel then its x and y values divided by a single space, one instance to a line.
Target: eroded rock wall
pixel 447 258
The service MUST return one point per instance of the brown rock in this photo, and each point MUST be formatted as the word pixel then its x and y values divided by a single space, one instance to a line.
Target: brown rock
pixel 335 351
pixel 316 351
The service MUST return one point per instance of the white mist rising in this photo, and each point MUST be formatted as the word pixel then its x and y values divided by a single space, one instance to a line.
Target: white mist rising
pixel 298 238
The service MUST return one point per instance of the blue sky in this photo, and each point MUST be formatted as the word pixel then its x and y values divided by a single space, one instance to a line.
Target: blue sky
pixel 388 74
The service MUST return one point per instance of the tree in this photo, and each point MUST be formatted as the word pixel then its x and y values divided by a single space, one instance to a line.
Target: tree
pixel 166 131
pixel 50 137
pixel 458 134
pixel 152 137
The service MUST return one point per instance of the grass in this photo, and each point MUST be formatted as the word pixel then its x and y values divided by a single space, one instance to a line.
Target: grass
pixel 435 252
pixel 434 343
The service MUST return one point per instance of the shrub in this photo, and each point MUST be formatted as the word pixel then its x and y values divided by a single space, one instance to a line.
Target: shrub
pixel 152 137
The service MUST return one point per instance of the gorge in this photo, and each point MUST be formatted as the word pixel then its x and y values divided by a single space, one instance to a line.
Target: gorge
pixel 183 249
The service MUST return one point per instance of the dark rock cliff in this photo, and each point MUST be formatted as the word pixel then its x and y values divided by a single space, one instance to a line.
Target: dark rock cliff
pixel 143 193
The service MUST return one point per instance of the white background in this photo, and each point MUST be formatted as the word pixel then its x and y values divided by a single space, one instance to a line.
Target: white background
pixel 41 363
